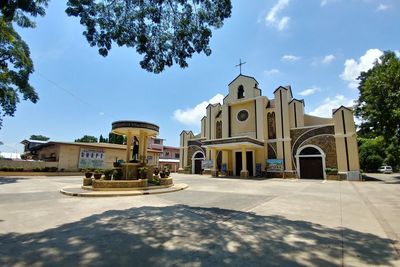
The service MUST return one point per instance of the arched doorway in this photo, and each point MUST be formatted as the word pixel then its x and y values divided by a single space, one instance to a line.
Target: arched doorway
pixel 311 162
pixel 197 158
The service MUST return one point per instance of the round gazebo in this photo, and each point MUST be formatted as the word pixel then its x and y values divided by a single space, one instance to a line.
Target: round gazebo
pixel 142 131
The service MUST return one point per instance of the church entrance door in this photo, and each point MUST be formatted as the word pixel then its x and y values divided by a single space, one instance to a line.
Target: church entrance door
pixel 311 163
pixel 249 162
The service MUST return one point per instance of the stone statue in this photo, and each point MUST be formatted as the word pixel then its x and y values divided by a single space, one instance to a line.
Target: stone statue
pixel 135 150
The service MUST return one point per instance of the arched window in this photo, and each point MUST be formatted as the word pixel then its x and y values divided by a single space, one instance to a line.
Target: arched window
pixel 240 92
pixel 271 125
pixel 218 130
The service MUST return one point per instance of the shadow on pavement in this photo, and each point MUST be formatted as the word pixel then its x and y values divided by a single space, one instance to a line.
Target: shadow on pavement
pixel 10 180
pixel 182 235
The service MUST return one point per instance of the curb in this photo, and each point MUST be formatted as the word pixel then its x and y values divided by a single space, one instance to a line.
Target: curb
pixel 86 193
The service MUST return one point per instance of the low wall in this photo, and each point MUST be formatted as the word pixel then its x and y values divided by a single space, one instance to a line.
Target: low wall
pixel 119 183
pixel 26 165
pixel 166 181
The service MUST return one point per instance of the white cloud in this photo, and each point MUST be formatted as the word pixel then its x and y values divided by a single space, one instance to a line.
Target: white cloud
pixel 101 113
pixel 272 72
pixel 325 2
pixel 192 116
pixel 290 58
pixel 382 7
pixel 329 104
pixel 310 91
pixel 397 52
pixel 272 18
pixel 328 59
pixel 353 68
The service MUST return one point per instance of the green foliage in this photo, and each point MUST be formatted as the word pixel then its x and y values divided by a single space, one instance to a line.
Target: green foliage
pixel 379 107
pixel 115 139
pixel 166 32
pixel 371 152
pixel 15 69
pixel 15 62
pixel 117 174
pixel 154 180
pixel 102 139
pixel 39 137
pixel 17 11
pixel 87 139
pixel 332 171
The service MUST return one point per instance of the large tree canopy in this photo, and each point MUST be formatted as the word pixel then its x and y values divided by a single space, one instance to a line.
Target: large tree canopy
pixel 15 62
pixel 378 104
pixel 165 31
pixel 379 107
pixel 87 139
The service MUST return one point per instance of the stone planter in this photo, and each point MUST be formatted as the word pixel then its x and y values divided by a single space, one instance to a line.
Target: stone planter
pixel 87 181
pixel 166 181
pixel 120 183
pixel 332 177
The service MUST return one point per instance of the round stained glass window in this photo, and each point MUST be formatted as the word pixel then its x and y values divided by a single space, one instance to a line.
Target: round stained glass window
pixel 242 115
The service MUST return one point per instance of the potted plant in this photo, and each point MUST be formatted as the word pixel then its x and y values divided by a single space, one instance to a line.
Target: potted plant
pixel 143 173
pixel 107 174
pixel 88 173
pixel 117 174
pixel 162 174
pixel 98 173
pixel 166 171
pixel 156 171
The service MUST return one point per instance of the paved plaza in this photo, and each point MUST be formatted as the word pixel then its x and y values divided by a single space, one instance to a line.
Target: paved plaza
pixel 214 222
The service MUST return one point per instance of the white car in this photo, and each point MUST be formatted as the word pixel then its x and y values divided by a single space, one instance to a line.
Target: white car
pixel 385 169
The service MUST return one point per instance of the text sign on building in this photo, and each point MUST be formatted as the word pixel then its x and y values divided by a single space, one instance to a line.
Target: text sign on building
pixel 274 165
pixel 91 158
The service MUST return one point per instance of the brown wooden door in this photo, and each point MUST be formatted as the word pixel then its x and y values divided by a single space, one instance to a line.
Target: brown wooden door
pixel 197 166
pixel 311 168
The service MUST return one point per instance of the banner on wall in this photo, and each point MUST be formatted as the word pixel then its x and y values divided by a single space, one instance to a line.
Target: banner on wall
pixel 91 158
pixel 206 164
pixel 274 165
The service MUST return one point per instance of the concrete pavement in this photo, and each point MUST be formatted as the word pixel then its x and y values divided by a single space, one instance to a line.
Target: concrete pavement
pixel 215 222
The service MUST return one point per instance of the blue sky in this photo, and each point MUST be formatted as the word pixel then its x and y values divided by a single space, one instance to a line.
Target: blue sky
pixel 316 46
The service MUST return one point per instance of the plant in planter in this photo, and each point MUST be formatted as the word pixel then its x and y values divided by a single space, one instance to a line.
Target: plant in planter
pixel 117 174
pixel 143 173
pixel 162 174
pixel 88 173
pixel 107 174
pixel 331 171
pixel 98 173
pixel 166 171
pixel 156 171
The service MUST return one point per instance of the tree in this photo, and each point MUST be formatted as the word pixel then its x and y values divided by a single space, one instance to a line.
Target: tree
pixel 378 104
pixel 87 139
pixel 115 138
pixel 164 31
pixel 102 139
pixel 39 137
pixel 15 62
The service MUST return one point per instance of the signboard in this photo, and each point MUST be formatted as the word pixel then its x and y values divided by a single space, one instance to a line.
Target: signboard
pixel 274 165
pixel 206 164
pixel 258 169
pixel 91 158
pixel 223 168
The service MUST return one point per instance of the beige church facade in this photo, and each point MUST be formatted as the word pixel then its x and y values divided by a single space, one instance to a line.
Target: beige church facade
pixel 251 135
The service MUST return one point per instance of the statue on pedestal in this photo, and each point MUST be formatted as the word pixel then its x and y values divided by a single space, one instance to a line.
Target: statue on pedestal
pixel 135 150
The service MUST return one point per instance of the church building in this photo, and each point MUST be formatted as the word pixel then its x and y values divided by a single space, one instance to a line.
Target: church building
pixel 251 135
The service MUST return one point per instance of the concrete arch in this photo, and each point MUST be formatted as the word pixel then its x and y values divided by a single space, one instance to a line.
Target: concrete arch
pixel 320 155
pixel 197 156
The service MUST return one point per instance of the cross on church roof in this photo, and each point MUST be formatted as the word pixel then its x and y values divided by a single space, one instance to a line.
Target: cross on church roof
pixel 240 65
